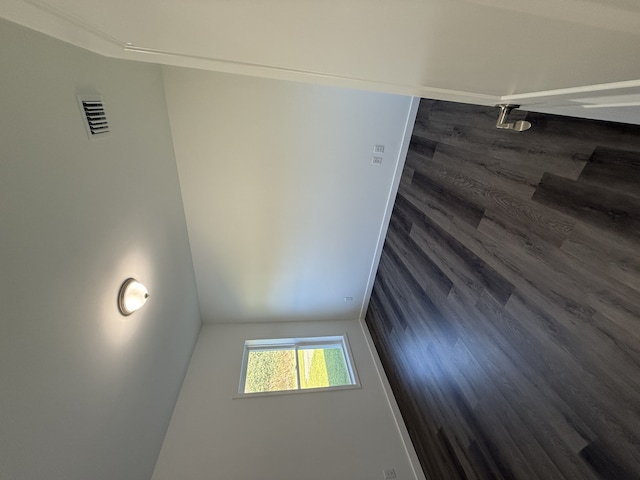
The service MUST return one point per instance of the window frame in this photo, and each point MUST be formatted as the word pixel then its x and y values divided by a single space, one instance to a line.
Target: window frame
pixel 295 344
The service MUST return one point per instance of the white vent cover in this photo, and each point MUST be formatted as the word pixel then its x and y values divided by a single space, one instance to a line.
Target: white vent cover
pixel 95 118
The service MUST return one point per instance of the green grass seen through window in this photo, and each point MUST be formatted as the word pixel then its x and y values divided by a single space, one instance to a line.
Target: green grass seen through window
pixel 274 370
pixel 271 371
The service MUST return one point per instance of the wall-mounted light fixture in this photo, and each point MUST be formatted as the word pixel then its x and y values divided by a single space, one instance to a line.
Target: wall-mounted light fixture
pixel 132 296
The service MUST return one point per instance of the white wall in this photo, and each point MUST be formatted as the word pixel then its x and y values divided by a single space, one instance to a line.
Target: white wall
pixel 346 434
pixel 283 205
pixel 84 392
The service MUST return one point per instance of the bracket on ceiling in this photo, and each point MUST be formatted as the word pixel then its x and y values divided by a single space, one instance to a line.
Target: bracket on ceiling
pixel 505 110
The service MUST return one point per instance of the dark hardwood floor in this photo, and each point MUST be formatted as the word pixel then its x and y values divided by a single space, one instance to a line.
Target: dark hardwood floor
pixel 506 307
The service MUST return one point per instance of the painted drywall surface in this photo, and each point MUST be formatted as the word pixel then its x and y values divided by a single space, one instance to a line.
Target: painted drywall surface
pixel 348 434
pixel 86 393
pixel 428 48
pixel 283 204
pixel 622 114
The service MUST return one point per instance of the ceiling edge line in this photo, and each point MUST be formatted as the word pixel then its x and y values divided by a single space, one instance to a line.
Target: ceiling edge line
pixel 409 90
pixel 248 68
pixel 62 15
pixel 573 90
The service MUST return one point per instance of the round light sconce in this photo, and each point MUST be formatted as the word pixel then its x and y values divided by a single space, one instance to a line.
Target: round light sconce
pixel 132 296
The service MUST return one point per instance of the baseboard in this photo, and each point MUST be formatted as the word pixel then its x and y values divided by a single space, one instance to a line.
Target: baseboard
pixel 391 400
pixel 391 198
pixel 393 406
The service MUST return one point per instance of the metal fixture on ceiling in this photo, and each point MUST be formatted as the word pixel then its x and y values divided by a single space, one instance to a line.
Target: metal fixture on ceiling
pixel 132 296
pixel 518 126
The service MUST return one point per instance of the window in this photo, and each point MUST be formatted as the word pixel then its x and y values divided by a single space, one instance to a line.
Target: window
pixel 296 364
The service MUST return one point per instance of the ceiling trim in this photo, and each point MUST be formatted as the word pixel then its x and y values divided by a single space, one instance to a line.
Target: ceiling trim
pixel 271 71
pixel 41 16
pixel 621 103
pixel 75 21
pixel 573 91
pixel 55 22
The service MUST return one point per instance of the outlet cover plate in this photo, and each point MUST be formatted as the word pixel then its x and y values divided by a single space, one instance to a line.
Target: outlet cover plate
pixel 389 474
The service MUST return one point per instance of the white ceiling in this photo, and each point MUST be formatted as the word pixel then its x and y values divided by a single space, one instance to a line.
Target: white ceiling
pixel 473 50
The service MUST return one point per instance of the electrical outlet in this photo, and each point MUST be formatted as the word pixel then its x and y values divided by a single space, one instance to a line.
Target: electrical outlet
pixel 348 299
pixel 389 474
pixel 376 160
pixel 378 149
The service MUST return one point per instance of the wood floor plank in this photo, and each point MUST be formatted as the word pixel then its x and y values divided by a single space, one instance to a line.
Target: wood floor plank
pixel 543 156
pixel 422 147
pixel 566 307
pixel 608 254
pixel 548 222
pixel 468 269
pixel 420 266
pixel 573 308
pixel 597 206
pixel 598 457
pixel 519 385
pixel 506 306
pixel 596 404
pixel 437 194
pixel 617 170
pixel 407 176
pixel 582 131
pixel 548 416
pixel 584 281
pixel 487 171
pixel 496 410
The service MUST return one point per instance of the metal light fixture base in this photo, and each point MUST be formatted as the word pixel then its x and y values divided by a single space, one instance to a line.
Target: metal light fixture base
pixel 505 110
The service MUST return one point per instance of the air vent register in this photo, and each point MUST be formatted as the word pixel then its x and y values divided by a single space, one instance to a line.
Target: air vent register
pixel 94 116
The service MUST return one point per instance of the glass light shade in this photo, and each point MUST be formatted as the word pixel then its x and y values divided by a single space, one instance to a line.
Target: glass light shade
pixel 132 296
